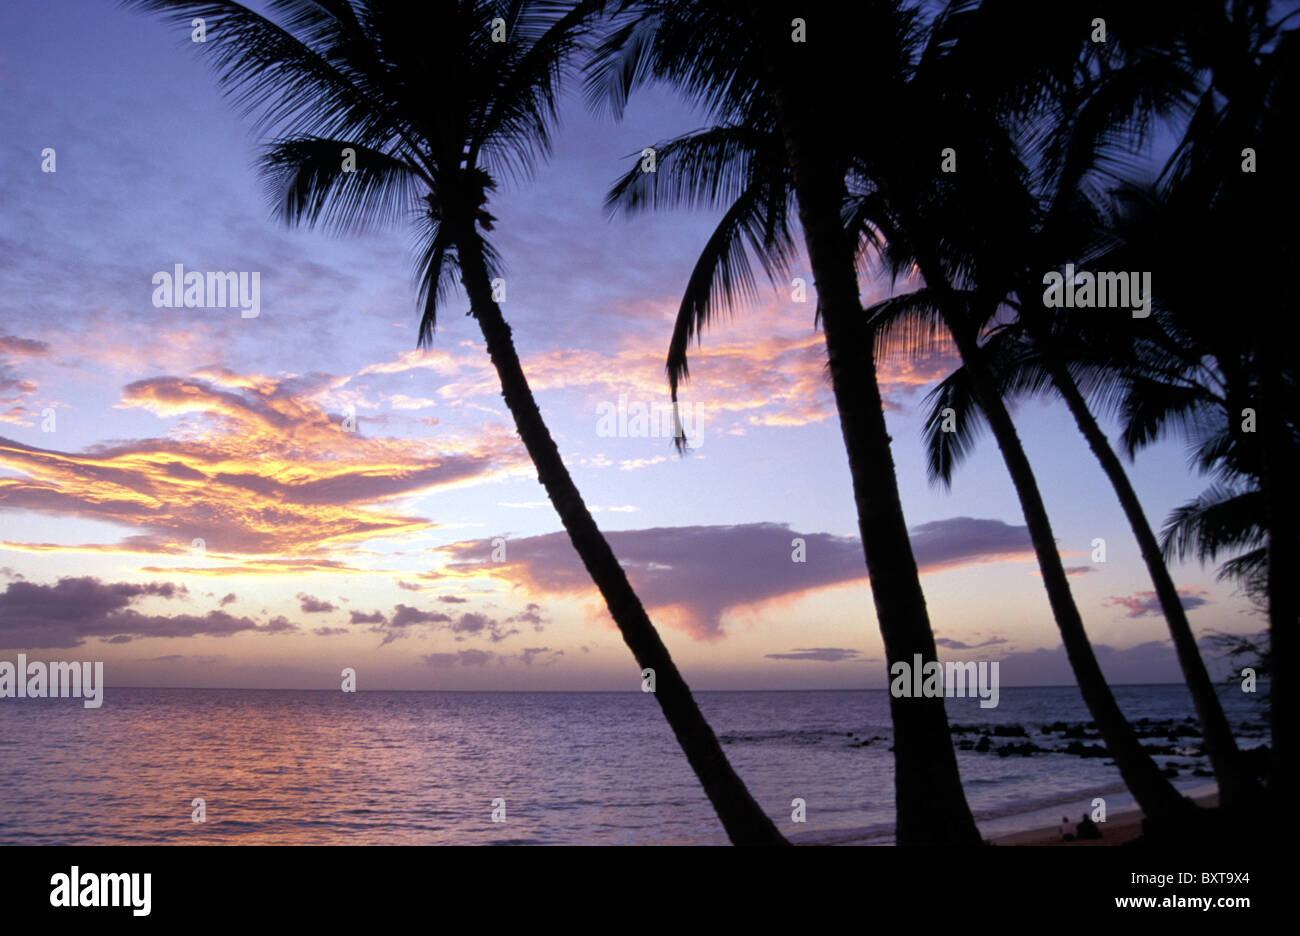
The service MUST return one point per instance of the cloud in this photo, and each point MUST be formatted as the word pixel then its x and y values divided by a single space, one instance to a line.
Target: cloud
pixel 467 624
pixel 313 605
pixel 820 654
pixel 471 623
pixel 12 344
pixel 279 625
pixel 405 616
pixel 1143 603
pixel 700 572
pixel 16 391
pixel 229 599
pixel 329 631
pixel 374 617
pixel 203 659
pixel 461 657
pixel 531 653
pixel 254 466
pixel 532 614
pixel 762 371
pixel 1151 662
pixel 73 610
pixel 958 645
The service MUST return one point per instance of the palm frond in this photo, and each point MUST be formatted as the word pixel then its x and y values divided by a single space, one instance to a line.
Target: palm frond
pixel 953 422
pixel 304 180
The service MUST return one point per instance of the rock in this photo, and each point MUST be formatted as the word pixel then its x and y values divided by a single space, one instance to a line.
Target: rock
pixel 1079 749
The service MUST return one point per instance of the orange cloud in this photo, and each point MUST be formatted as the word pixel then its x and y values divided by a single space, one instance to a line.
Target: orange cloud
pixel 254 468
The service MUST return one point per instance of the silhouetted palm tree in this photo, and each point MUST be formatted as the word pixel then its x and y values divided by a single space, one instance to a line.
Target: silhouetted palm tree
pixel 1084 127
pixel 964 234
pixel 1250 106
pixel 1034 367
pixel 432 104
pixel 769 75
pixel 1219 357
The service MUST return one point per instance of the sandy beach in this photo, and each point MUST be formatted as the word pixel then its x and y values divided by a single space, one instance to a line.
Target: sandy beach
pixel 1124 826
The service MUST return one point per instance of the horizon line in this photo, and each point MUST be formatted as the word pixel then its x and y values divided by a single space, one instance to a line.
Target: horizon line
pixel 610 691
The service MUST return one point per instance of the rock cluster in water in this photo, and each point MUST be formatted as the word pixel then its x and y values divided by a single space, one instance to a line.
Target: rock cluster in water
pixel 1180 737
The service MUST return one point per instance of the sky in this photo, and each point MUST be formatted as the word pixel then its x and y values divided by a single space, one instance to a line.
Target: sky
pixel 199 498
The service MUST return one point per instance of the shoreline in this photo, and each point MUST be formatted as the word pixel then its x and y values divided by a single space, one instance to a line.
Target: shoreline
pixel 1124 826
pixel 1040 826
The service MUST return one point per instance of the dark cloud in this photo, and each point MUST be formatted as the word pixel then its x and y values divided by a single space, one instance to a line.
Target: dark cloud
pixel 532 614
pixel 468 624
pixel 958 645
pixel 1143 603
pixel 1152 662
pixel 313 605
pixel 12 344
pixel 329 631
pixel 405 616
pixel 820 654
pixel 279 625
pixel 702 571
pixel 205 659
pixel 472 623
pixel 461 657
pixel 227 600
pixel 73 610
pixel 452 599
pixel 531 653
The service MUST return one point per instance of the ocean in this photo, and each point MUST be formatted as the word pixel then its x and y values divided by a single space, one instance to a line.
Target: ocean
pixel 432 768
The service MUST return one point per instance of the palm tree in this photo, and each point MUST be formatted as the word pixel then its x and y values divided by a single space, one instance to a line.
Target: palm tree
pixel 1209 381
pixel 1201 371
pixel 432 104
pixel 1251 101
pixel 777 150
pixel 1099 116
pixel 1036 365
pixel 962 235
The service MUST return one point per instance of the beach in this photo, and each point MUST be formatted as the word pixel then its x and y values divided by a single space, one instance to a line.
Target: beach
pixel 1122 827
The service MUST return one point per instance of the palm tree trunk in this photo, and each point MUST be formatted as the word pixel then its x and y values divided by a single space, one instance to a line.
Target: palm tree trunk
pixel 931 805
pixel 1154 793
pixel 1236 788
pixel 742 817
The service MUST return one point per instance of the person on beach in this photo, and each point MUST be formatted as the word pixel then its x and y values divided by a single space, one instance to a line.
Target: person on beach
pixel 1087 829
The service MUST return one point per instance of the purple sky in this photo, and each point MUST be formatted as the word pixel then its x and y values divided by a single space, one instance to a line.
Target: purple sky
pixel 373 549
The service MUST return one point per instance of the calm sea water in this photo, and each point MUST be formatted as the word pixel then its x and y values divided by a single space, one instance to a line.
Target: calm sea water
pixel 420 768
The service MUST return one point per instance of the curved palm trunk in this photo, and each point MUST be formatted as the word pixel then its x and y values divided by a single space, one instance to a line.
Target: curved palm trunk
pixel 742 817
pixel 931 805
pixel 1236 787
pixel 1155 794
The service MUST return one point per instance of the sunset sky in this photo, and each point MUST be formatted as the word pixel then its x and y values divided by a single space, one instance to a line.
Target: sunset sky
pixel 324 548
